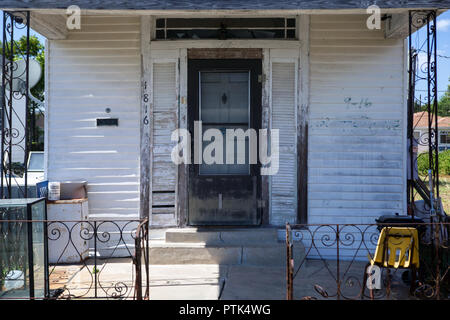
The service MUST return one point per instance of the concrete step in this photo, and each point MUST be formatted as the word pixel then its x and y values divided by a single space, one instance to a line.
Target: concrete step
pixel 195 253
pixel 257 247
pixel 209 236
pixel 119 251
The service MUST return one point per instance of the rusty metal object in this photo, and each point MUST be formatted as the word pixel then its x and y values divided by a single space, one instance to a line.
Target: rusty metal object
pixel 289 264
pixel 141 249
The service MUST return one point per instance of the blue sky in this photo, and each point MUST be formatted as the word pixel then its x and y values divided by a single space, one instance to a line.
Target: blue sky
pixel 443 48
pixel 443 45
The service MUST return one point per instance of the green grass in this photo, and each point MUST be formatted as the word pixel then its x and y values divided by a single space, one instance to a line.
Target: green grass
pixel 444 192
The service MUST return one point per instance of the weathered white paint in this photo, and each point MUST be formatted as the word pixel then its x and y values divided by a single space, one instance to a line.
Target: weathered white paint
pixel 283 186
pixel 284 104
pixel 303 118
pixel 182 190
pixel 356 152
pixel 95 68
pixel 165 119
pixel 146 117
pixel 265 124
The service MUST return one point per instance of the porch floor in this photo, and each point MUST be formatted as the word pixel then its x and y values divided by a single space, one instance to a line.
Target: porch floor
pixel 212 282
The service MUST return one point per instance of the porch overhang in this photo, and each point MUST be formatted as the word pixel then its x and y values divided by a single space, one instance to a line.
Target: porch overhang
pixel 224 4
pixel 52 27
pixel 51 22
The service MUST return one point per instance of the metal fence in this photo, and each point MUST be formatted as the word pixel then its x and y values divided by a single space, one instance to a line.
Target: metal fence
pixel 105 259
pixel 333 261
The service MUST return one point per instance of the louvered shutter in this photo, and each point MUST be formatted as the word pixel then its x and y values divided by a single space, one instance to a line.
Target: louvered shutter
pixel 164 171
pixel 284 183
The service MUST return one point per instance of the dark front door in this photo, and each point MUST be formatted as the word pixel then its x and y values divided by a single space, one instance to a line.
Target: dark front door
pixel 224 96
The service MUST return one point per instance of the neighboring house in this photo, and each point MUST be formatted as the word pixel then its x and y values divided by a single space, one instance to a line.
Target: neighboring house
pixel 421 131
pixel 336 90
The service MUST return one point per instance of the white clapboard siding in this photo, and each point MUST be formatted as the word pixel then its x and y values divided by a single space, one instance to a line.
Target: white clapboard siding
pixel 284 183
pixel 356 122
pixel 164 171
pixel 95 68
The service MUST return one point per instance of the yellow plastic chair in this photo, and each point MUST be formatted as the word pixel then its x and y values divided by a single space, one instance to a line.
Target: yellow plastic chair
pixel 398 248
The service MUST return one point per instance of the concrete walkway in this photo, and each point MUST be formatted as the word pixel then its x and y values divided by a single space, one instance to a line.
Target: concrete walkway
pixel 226 282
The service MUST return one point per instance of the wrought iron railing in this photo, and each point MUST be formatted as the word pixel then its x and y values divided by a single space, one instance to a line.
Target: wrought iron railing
pixel 142 257
pixel 333 261
pixel 106 259
pixel 423 112
pixel 15 119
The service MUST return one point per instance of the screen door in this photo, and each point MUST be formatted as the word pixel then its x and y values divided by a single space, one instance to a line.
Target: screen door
pixel 224 97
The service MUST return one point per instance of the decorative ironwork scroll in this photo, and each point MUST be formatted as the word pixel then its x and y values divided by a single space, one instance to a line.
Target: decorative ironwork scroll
pixel 423 136
pixel 14 102
pixel 101 274
pixel 89 259
pixel 333 261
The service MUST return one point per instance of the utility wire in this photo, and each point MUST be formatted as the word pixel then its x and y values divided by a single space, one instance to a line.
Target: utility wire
pixel 439 55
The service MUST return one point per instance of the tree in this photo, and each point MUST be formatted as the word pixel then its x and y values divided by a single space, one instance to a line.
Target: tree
pixel 36 52
pixel 444 103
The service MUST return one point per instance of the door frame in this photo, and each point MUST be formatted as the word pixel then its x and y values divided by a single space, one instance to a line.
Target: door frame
pixel 256 91
pixel 179 51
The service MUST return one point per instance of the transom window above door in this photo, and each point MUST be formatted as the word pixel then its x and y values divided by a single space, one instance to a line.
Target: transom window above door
pixel 225 28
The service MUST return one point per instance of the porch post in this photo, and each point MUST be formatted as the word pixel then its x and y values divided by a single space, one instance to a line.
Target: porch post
pixel 146 116
pixel 182 191
pixel 302 121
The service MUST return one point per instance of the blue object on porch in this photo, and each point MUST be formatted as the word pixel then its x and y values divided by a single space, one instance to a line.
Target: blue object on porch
pixel 42 189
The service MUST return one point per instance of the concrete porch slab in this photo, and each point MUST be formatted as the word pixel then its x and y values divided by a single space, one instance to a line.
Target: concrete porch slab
pixel 223 246
pixel 194 282
pixel 224 282
pixel 255 283
pixel 167 282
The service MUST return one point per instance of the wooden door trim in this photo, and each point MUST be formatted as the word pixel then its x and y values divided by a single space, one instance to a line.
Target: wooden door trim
pixel 224 53
pixel 255 121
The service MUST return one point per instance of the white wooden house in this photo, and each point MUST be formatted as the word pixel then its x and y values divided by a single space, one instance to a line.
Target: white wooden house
pixel 421 132
pixel 335 89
